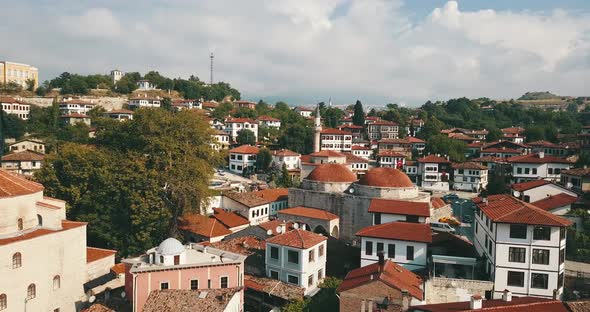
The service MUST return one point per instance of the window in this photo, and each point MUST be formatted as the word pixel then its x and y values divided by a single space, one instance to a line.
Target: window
pixel 540 256
pixel 39 220
pixel 377 218
pixel 527 170
pixel 320 274
pixel 490 247
pixel 379 247
pixel 311 257
pixel 19 223
pixel 321 251
pixel 31 291
pixel 550 170
pixel 223 282
pixel 542 233
pixel 209 284
pixel 3 302
pixel 534 170
pixel 391 251
pixel 560 280
pixel 519 170
pixel 176 259
pixel 17 260
pixel 561 233
pixel 310 280
pixel 516 254
pixel 476 226
pixel 539 280
pixel 515 279
pixel 369 248
pixel 410 252
pixel 56 282
pixel 518 231
pixel 274 274
pixel 194 284
pixel 161 259
pixel 293 256
pixel 561 256
pixel 164 285
pixel 274 253
pixel 292 279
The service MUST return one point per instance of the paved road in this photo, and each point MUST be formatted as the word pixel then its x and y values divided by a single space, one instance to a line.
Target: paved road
pixel 461 208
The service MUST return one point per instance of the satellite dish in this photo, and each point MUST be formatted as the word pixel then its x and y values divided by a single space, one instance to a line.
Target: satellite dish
pixel 279 229
pixel 569 185
pixel 123 294
pixel 295 225
pixel 269 232
pixel 351 190
pixel 92 299
pixel 516 194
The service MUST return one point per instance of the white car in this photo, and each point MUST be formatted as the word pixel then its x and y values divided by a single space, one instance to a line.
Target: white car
pixel 441 227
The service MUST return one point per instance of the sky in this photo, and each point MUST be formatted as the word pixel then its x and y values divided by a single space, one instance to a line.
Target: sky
pixel 306 51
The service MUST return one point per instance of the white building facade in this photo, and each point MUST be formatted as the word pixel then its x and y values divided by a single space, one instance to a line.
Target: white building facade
pixel 470 176
pixel 234 125
pixel 144 102
pixel 243 159
pixel 335 140
pixel 537 166
pixel 15 107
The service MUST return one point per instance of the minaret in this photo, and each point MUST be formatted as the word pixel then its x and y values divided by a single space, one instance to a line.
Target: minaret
pixel 318 129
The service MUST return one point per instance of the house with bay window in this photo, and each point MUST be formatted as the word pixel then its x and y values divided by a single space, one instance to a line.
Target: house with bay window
pixel 523 246
pixel 433 173
pixel 537 166
pixel 470 176
pixel 242 159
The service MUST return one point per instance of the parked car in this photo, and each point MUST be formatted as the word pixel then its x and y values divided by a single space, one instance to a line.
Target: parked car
pixel 467 219
pixel 441 227
pixel 448 198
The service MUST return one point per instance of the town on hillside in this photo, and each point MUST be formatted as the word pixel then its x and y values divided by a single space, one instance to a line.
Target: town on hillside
pixel 130 192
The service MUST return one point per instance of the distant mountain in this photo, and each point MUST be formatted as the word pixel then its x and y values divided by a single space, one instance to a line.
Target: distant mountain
pixel 536 96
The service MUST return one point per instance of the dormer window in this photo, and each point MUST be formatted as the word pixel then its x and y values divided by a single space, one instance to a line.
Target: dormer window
pixel 19 223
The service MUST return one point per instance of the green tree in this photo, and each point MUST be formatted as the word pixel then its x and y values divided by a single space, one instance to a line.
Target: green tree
pixel 432 127
pixel 494 134
pixel 285 180
pixel 358 118
pixel 298 138
pixel 332 116
pixel 167 104
pixel 535 133
pixel 127 83
pixel 246 136
pixel 441 144
pixel 262 108
pixel 11 126
pixel 30 85
pixel 263 160
pixel 222 110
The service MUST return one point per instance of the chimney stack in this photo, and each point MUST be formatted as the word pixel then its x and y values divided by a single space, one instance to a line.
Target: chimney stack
pixel 541 154
pixel 476 302
pixel 507 295
pixel 381 260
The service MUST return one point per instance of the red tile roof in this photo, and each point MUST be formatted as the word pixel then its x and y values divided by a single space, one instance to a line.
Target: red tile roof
pixel 245 245
pixel 535 159
pixel 332 173
pixel 524 186
pixel 65 224
pixel 309 213
pixel 513 130
pixel 507 209
pixel 47 205
pixel 229 219
pixel 248 199
pixel 284 152
pixel 434 159
pixel 245 149
pixel 273 195
pixel 386 177
pixel 501 150
pixel 272 225
pixel 360 148
pixel 350 127
pixel 392 274
pixel 469 165
pixel 555 201
pixel 118 268
pixel 93 253
pixel 437 202
pixel 390 153
pixel 187 300
pixel 461 136
pixel 202 225
pixel 353 159
pixel 400 207
pixel 297 239
pixel 415 140
pixel 24 156
pixel 239 120
pixel 267 118
pixel 97 307
pixel 543 143
pixel 335 131
pixel 15 185
pixel 273 287
pixel 406 231
pixel 518 304
pixel 74 115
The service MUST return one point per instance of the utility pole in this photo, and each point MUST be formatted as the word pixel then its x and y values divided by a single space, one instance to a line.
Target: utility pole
pixel 211 56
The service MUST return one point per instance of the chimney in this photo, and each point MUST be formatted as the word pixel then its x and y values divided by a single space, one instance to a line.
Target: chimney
pixel 507 295
pixel 405 300
pixel 476 302
pixel 541 154
pixel 381 260
pixel 283 227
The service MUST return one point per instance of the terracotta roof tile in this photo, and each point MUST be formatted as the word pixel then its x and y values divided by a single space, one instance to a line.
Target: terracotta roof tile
pixel 272 225
pixel 184 300
pixel 461 136
pixel 248 199
pixel 507 209
pixel 391 274
pixel 353 159
pixel 390 153
pixel 245 149
pixel 360 148
pixel 229 219
pixel 245 245
pixel 202 225
pixel 284 152
pixel 239 120
pixel 518 304
pixel 513 130
pixel 16 185
pixel 309 213
pixel 297 239
pixel 555 201
pixel 118 268
pixel 327 153
pixel 437 202
pixel 386 177
pixel 501 150
pixel 273 287
pixel 392 206
pixel 97 307
pixel 93 253
pixel 535 159
pixel 24 156
pixel 469 165
pixel 523 186
pixel 65 224
pixel 335 131
pixel 583 172
pixel 268 118
pixel 415 140
pixel 273 195
pixel 332 173
pixel 74 115
pixel 434 159
pixel 406 231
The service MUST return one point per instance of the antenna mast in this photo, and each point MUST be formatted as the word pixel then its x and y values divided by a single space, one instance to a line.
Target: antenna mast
pixel 211 73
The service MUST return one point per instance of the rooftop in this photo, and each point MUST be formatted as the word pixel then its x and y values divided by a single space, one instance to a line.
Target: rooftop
pixel 297 238
pixel 273 287
pixel 400 207
pixel 309 213
pixel 335 131
pixel 406 231
pixel 16 185
pixel 555 201
pixel 501 150
pixel 327 153
pixel 203 225
pixel 332 173
pixel 434 159
pixel 518 304
pixel 390 153
pixel 24 156
pixel 273 195
pixel 181 300
pixel 523 186
pixel 469 165
pixel 245 149
pixel 245 245
pixel 583 172
pixel 248 199
pixel 239 120
pixel 93 253
pixel 272 226
pixel 386 177
pixel 391 274
pixel 507 209
pixel 537 159
pixel 65 225
pixel 284 152
pixel 437 202
pixel 228 218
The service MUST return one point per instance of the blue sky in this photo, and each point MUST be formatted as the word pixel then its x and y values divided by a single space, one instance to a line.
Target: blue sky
pixel 306 51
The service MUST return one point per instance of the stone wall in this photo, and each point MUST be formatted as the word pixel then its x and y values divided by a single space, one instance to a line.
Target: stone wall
pixel 443 290
pixel 436 214
pixel 108 102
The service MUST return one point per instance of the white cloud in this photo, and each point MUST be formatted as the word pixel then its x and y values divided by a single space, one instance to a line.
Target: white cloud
pixel 303 51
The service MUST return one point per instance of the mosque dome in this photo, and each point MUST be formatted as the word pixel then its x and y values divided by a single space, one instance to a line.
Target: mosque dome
pixel 170 246
pixel 386 177
pixel 332 173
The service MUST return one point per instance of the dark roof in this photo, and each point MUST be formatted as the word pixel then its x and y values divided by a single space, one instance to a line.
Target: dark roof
pixel 583 172
pixel 536 159
pixel 469 165
pixel 518 304
pixel 414 232
pixel 273 287
pixel 183 300
pixel 400 207
pixel 434 159
pixel 248 199
pixel 507 209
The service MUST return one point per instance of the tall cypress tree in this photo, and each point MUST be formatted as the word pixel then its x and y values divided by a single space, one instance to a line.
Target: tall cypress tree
pixel 358 118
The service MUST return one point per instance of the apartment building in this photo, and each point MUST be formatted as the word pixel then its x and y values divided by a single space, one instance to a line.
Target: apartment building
pixel 17 107
pixel 383 130
pixel 470 176
pixel 335 140
pixel 537 166
pixel 433 172
pixel 18 73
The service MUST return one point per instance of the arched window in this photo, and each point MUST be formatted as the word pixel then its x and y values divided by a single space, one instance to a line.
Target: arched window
pixel 17 260
pixel 31 291
pixel 3 302
pixel 40 219
pixel 20 224
pixel 56 282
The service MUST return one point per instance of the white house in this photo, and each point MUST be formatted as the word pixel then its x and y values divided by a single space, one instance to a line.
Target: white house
pixel 501 152
pixel 15 107
pixel 34 145
pixel 269 122
pixel 145 85
pixel 391 210
pixel 278 199
pixel 250 206
pixel 75 118
pixel 297 257
pixel 470 176
pixel 290 159
pixel 404 243
pixel 220 140
pixel 140 102
pixel 243 158
pixel 524 246
pixel 537 166
pixel 559 204
pixel 362 151
pixel 433 173
pixel 304 111
pixel 23 162
pixel 391 159
pixel 383 130
pixel 73 106
pixel 335 140
pixel 119 114
pixel 234 125
pixel 535 190
pixel 179 105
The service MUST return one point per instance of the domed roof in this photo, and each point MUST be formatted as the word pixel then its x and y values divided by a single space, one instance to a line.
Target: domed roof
pixel 386 177
pixel 170 246
pixel 332 173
